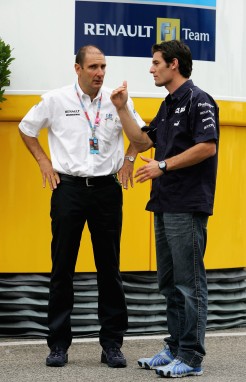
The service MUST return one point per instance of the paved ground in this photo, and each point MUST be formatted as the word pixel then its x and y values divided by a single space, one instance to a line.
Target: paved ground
pixel 23 361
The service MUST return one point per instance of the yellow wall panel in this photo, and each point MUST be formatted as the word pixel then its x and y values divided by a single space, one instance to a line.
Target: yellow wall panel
pixel 16 106
pixel 25 222
pixel 226 247
pixel 135 239
pixel 226 230
pixel 24 207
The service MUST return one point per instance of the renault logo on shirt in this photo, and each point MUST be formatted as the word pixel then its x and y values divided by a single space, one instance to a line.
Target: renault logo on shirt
pixel 71 113
pixel 167 29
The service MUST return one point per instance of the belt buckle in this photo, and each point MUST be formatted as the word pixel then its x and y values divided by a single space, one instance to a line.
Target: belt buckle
pixel 87 182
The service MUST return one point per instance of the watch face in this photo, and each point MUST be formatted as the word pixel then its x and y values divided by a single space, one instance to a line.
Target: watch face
pixel 162 165
pixel 130 158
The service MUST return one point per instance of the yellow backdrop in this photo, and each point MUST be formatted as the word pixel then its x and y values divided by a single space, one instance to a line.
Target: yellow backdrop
pixel 24 204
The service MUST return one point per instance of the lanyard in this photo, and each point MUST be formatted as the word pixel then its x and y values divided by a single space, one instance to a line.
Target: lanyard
pixel 97 119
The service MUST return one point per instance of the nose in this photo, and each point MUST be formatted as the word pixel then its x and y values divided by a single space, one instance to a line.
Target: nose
pixel 101 72
pixel 151 69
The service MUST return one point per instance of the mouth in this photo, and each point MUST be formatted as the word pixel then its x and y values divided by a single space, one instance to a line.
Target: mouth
pixel 98 82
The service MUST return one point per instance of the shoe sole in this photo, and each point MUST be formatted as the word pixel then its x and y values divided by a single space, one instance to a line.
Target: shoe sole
pixel 147 367
pixel 169 375
pixel 57 364
pixel 142 364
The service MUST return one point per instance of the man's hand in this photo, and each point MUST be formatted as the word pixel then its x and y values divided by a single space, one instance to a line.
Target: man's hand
pixel 149 171
pixel 119 96
pixel 44 162
pixel 48 174
pixel 126 173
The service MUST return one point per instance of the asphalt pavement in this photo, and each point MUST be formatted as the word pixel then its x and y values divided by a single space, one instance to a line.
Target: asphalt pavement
pixel 24 360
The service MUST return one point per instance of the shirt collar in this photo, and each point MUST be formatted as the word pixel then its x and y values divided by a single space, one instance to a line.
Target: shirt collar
pixel 81 93
pixel 178 94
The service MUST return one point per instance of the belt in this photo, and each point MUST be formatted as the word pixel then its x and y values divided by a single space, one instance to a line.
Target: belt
pixel 88 181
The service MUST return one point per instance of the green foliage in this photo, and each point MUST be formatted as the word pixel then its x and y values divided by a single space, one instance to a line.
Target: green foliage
pixel 5 61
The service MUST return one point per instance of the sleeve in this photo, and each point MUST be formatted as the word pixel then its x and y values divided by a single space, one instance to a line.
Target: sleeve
pixel 36 119
pixel 151 130
pixel 134 114
pixel 204 119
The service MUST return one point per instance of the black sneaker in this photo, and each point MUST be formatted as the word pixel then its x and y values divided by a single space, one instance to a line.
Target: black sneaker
pixel 57 357
pixel 113 357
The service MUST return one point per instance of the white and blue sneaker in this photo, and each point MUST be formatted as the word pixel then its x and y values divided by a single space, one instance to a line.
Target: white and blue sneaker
pixel 178 369
pixel 162 358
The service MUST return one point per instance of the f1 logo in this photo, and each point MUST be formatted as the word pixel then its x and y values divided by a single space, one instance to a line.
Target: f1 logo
pixel 167 29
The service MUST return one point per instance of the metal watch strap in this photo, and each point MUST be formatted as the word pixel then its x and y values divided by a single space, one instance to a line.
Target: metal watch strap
pixel 130 158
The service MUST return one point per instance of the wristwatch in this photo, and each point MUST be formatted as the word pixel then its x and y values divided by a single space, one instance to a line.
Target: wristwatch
pixel 163 166
pixel 130 158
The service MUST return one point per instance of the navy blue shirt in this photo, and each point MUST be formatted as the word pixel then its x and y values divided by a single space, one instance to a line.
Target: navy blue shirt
pixel 187 117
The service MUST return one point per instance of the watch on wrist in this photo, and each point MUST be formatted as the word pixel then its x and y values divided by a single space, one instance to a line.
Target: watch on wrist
pixel 163 166
pixel 130 158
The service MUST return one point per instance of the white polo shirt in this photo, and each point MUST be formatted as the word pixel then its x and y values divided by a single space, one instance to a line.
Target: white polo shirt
pixel 69 132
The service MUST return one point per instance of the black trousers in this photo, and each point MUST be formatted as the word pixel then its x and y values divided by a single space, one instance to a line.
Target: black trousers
pixel 72 204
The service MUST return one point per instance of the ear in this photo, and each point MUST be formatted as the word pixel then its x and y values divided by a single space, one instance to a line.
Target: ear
pixel 77 68
pixel 175 63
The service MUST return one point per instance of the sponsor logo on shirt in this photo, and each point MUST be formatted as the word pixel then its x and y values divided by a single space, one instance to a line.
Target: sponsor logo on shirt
pixel 204 104
pixel 210 125
pixel 109 116
pixel 71 113
pixel 176 123
pixel 180 110
pixel 207 119
pixel 206 112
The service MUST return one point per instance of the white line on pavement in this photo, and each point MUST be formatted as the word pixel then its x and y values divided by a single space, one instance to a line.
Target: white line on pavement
pixel 132 338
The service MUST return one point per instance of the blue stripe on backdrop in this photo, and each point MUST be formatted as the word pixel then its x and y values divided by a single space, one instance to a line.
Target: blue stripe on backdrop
pixel 199 3
pixel 205 3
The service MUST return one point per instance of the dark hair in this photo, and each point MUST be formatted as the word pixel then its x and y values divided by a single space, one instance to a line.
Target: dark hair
pixel 80 55
pixel 176 49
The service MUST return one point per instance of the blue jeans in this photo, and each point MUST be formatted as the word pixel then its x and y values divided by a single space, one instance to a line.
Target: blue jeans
pixel 180 247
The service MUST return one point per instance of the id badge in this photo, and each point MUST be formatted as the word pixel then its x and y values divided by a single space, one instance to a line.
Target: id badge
pixel 94 149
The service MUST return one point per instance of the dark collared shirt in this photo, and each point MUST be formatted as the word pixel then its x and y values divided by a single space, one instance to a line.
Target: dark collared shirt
pixel 187 117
